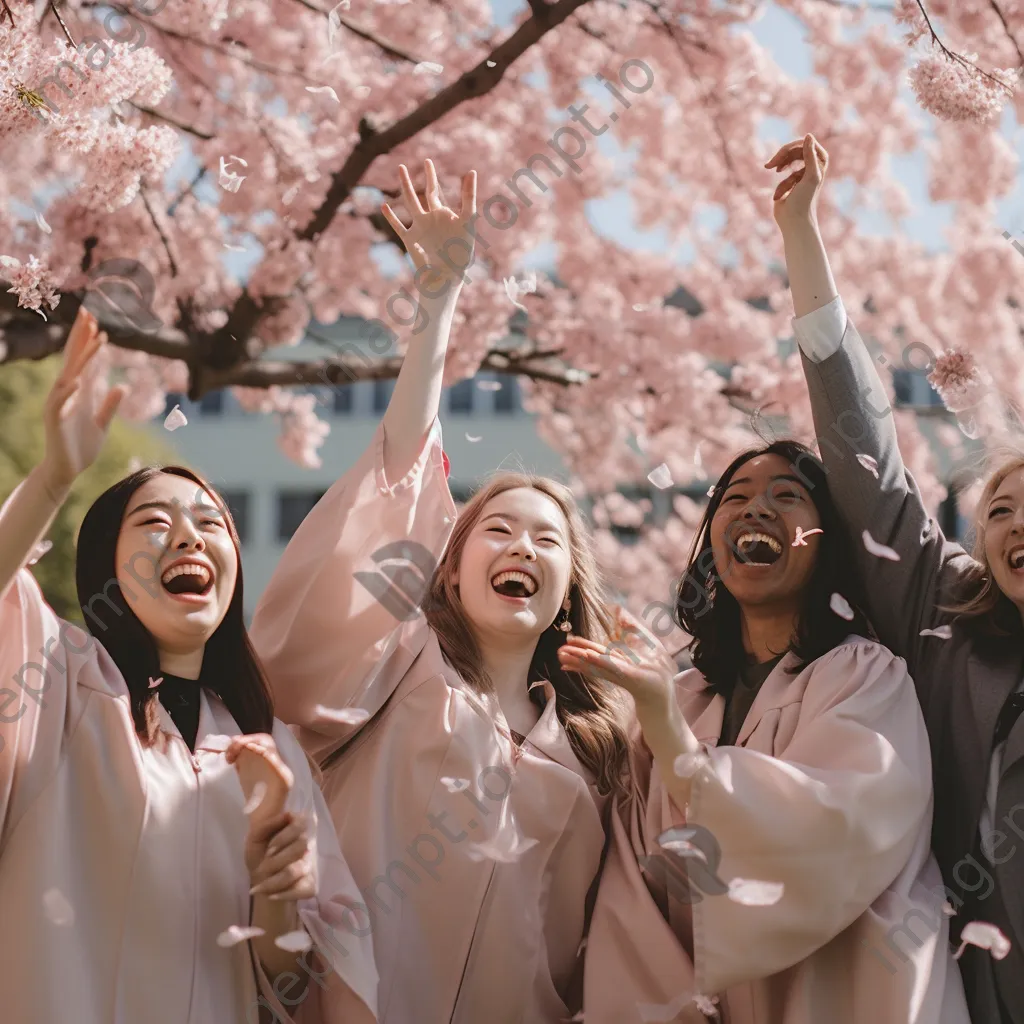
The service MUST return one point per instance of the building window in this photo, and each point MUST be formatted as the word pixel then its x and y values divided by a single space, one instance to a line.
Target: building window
pixel 382 394
pixel 238 506
pixel 212 404
pixel 507 400
pixel 343 398
pixel 460 398
pixel 292 508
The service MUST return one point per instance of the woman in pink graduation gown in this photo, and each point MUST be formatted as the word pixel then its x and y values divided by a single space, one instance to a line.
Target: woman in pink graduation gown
pixel 777 867
pixel 128 867
pixel 465 770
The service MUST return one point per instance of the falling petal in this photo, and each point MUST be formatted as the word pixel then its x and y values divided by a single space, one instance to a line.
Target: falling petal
pixel 492 63
pixel 869 464
pixel 473 438
pixel 801 533
pixel 234 248
pixel 683 848
pixel 9 261
pixel 711 491
pixel 318 89
pixel 639 308
pixel 513 292
pixel 986 936
pixel 499 851
pixel 489 385
pixel 454 785
pixel 57 908
pixel 154 683
pixel 878 550
pixel 259 791
pixel 841 607
pixel 294 942
pixel 343 716
pixel 175 419
pixel 42 314
pixel 752 893
pixel 41 221
pixel 968 427
pixel 134 464
pixel 229 180
pixel 39 550
pixel 661 477
pixel 942 632
pixel 687 765
pixel 663 1013
pixel 237 933
pixel 239 159
pixel 947 909
pixel 426 67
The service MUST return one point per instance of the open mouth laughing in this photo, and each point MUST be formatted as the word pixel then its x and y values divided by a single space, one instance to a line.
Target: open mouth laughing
pixel 755 548
pixel 188 578
pixel 514 583
pixel 1015 559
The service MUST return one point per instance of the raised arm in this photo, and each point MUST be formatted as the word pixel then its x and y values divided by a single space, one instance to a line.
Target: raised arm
pixel 77 415
pixel 856 433
pixel 437 233
pixel 339 623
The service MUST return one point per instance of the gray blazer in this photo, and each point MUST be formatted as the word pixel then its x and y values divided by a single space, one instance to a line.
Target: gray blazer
pixel 962 682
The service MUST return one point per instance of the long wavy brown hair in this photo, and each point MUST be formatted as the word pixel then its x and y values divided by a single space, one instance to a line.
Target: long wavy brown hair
pixel 982 606
pixel 592 711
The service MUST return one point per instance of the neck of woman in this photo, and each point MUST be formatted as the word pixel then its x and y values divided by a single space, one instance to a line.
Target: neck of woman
pixel 507 665
pixel 767 630
pixel 186 664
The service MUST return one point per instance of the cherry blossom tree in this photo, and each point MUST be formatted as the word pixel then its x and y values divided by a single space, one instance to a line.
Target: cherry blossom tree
pixel 293 116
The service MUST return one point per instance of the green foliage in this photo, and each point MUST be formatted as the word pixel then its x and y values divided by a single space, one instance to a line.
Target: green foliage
pixel 23 390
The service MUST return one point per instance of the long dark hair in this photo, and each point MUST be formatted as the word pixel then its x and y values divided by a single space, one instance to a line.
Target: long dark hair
pixel 711 615
pixel 231 668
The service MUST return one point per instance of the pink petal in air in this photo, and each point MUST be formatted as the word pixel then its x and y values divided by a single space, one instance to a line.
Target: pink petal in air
pixel 39 550
pixel 294 942
pixel 942 632
pixel 154 683
pixel 752 893
pixel 473 438
pixel 57 908
pixel 238 933
pixel 869 464
pixel 841 607
pixel 318 90
pixel 801 534
pixel 878 550
pixel 175 418
pixel 426 67
pixel 343 716
pixel 661 477
pixel 41 221
pixel 986 936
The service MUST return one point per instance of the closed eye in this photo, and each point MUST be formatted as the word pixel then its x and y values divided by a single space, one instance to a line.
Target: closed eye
pixel 498 529
pixel 996 511
pixel 156 522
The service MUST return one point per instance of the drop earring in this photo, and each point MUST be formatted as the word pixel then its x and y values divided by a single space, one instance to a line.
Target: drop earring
pixel 565 626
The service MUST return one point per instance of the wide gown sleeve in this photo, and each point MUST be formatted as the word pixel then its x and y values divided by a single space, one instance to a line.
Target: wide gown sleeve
pixel 40 657
pixel 834 820
pixel 852 417
pixel 342 987
pixel 339 623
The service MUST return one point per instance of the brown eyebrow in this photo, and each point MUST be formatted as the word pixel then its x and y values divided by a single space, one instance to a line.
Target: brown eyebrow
pixel 168 507
pixel 1000 497
pixel 544 524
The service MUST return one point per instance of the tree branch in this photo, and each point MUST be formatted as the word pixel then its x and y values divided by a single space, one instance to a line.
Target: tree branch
pixel 1006 29
pixel 391 49
pixel 180 125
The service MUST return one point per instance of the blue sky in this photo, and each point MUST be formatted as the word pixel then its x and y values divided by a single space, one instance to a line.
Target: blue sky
pixel 782 34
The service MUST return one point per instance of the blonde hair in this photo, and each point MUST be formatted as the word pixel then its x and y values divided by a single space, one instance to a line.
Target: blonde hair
pixel 984 602
pixel 592 711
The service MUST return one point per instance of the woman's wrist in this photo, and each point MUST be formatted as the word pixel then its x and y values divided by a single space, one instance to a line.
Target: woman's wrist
pixel 54 486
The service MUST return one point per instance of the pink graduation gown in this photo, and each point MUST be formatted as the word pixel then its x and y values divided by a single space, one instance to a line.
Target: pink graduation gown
pixel 120 865
pixel 827 791
pixel 474 858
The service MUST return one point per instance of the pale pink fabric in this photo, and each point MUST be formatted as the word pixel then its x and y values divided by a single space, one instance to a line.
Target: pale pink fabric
pixel 829 792
pixel 458 937
pixel 144 845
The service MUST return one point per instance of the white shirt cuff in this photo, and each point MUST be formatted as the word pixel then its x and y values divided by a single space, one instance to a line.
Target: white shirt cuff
pixel 820 333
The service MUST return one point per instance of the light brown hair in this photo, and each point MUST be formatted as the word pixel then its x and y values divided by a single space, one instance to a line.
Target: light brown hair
pixel 982 604
pixel 592 712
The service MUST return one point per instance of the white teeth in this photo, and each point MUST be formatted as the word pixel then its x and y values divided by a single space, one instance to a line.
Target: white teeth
pixel 521 577
pixel 749 539
pixel 1016 558
pixel 188 569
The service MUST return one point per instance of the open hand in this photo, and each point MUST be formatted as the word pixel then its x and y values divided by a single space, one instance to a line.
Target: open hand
pixel 634 660
pixel 439 237
pixel 796 197
pixel 80 406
